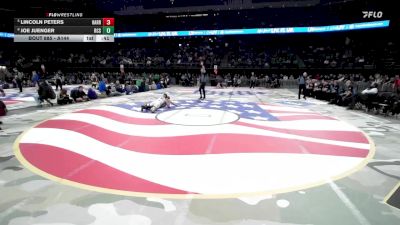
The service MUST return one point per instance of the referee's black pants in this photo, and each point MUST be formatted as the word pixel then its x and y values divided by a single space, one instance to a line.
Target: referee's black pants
pixel 202 90
pixel 252 84
pixel 302 89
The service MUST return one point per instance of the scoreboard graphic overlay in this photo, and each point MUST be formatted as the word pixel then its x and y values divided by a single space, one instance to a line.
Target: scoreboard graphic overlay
pixel 64 30
pixel 212 149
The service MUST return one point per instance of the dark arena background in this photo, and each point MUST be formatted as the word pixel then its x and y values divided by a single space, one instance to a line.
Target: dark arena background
pixel 221 112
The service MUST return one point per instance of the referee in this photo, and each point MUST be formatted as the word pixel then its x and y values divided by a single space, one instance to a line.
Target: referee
pixel 302 84
pixel 202 81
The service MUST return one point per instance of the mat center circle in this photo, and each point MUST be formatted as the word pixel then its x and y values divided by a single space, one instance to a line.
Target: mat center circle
pixel 197 117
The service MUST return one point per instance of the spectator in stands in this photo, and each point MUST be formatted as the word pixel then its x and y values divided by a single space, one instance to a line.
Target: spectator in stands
pixel 102 87
pixel 118 87
pixel 378 79
pixel 2 93
pixel 153 86
pixel 325 90
pixel 372 90
pixel 386 80
pixel 92 94
pixel 396 84
pixel 220 81
pixel 79 95
pixel 275 81
pixel 4 85
pixel 237 81
pixel 63 97
pixel 94 80
pixel 365 97
pixel 395 105
pixel 160 83
pixel 185 80
pixel 346 97
pixel 128 89
pixel 142 86
pixel 35 78
pixel 267 81
pixel 335 88
pixel 166 80
pixel 3 110
pixel 317 89
pixel 368 95
pixel 111 91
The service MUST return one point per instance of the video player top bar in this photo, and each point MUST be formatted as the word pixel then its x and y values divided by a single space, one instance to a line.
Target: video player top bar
pixel 64 22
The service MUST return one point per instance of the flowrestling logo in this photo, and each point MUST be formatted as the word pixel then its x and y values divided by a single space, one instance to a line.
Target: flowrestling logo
pixel 208 149
pixel 372 14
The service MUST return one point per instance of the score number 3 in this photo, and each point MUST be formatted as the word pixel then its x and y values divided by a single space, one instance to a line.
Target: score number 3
pixel 108 21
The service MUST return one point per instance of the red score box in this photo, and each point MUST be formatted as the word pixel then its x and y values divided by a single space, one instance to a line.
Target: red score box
pixel 108 21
